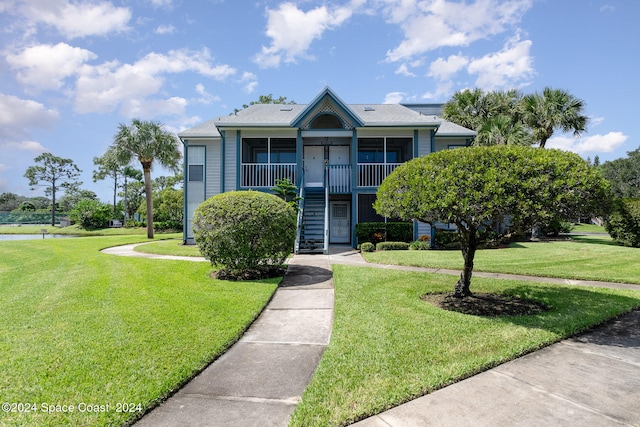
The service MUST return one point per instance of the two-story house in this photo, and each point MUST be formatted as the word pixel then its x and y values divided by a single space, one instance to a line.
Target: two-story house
pixel 336 153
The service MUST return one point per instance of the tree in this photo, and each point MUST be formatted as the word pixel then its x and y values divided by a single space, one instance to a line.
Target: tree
pixel 552 110
pixel 8 201
pixel 148 142
pixel 73 195
pixel 266 99
pixel 624 175
pixel 496 116
pixel 471 188
pixel 108 167
pixel 57 172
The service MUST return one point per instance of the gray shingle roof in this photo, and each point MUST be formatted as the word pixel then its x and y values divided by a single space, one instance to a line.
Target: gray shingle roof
pixel 282 115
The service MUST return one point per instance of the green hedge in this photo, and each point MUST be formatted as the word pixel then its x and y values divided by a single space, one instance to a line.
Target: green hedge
pixel 367 247
pixel 392 246
pixel 623 224
pixel 376 232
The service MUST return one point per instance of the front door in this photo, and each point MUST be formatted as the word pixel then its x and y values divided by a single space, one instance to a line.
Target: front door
pixel 313 166
pixel 339 222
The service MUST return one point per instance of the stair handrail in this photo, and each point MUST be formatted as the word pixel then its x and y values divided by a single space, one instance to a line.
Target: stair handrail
pixel 325 249
pixel 296 248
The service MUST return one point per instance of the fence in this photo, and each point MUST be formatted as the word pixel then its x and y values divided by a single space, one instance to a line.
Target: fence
pixel 29 217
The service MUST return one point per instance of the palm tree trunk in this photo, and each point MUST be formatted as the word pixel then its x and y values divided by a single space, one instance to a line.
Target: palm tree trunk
pixel 149 199
pixel 53 204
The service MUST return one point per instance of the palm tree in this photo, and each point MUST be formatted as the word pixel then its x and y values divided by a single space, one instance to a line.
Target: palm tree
pixel 147 141
pixel 551 110
pixel 502 130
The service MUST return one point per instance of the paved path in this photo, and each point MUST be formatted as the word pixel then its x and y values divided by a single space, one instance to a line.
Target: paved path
pixel 592 379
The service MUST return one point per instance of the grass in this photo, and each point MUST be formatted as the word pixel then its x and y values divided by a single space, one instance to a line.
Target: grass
pixel 588 228
pixel 77 325
pixel 169 247
pixel 583 258
pixel 76 230
pixel 388 346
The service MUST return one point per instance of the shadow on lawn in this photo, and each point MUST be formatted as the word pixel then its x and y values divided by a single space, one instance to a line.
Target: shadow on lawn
pixel 585 238
pixel 576 310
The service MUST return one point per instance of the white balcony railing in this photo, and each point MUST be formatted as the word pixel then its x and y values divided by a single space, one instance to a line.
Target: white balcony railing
pixel 265 175
pixel 372 174
pixel 339 179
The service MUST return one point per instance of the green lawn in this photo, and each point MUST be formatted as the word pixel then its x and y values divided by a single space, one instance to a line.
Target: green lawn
pixel 169 247
pixel 79 326
pixel 76 230
pixel 585 257
pixel 588 228
pixel 388 347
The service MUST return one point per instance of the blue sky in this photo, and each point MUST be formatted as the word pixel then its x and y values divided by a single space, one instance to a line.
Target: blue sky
pixel 72 70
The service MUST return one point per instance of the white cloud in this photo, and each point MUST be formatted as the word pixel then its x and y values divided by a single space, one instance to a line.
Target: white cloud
pixel 165 29
pixel 46 66
pixel 30 146
pixel 595 121
pixel 292 31
pixel 438 23
pixel 443 69
pixel 504 68
pixel 592 144
pixel 205 97
pixel 403 69
pixel 150 108
pixel 77 19
pixel 18 115
pixel 105 87
pixel 394 97
pixel 250 81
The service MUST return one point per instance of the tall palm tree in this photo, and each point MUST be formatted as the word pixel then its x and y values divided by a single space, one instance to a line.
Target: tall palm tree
pixel 502 130
pixel 148 142
pixel 553 109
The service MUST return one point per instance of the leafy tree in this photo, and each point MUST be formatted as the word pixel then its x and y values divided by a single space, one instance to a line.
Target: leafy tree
pixel 266 99
pixel 623 224
pixel 624 175
pixel 551 110
pixel 73 195
pixel 109 167
pixel 55 171
pixel 477 186
pixel 8 201
pixel 91 214
pixel 148 142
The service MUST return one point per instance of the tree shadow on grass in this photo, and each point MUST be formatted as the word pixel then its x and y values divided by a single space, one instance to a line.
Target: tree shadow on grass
pixel 576 310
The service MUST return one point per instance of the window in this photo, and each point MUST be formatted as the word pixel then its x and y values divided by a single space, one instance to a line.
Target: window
pixel 327 121
pixel 195 168
pixel 370 150
pixel 384 150
pixel 268 150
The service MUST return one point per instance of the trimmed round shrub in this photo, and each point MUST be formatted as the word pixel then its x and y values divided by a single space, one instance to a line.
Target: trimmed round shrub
pixel 367 247
pixel 623 224
pixel 249 234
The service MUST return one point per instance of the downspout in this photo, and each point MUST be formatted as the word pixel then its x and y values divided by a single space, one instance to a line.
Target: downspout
pixel 185 216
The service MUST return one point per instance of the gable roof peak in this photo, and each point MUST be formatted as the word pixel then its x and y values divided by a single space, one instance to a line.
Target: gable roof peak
pixel 327 92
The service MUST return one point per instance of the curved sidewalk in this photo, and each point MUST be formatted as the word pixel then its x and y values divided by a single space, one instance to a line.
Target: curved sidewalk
pixel 591 379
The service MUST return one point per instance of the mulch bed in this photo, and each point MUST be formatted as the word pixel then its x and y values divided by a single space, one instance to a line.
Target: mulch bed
pixel 481 304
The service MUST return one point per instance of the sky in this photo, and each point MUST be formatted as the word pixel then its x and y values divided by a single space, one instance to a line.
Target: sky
pixel 72 71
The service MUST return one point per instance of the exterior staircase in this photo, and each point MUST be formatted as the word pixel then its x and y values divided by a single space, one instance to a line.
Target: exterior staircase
pixel 312 231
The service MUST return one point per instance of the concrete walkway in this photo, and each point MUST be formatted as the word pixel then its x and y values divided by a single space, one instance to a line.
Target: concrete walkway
pixel 592 379
pixel 260 380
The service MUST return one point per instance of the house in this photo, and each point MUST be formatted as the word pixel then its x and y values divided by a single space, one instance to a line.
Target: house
pixel 336 153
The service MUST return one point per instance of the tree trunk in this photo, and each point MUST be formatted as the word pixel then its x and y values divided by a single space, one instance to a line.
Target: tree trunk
pixel 468 245
pixel 115 193
pixel 53 205
pixel 149 198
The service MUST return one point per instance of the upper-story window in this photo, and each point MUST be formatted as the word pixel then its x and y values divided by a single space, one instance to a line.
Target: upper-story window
pixel 326 121
pixel 268 150
pixel 195 169
pixel 385 150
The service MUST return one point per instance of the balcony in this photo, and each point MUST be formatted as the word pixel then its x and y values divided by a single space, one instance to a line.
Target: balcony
pixel 372 174
pixel 265 175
